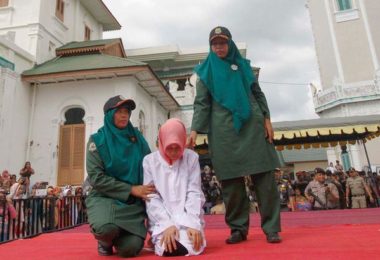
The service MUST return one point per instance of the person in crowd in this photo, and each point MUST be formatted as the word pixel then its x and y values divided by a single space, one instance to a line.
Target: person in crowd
pixel 285 190
pixel 301 181
pixel 7 213
pixel 356 188
pixel 13 179
pixel 338 166
pixel 115 206
pixel 320 194
pixel 175 212
pixel 17 193
pixel 51 209
pixel 331 167
pixel 331 178
pixel 231 108
pixel 18 190
pixel 80 206
pixel 301 203
pixel 219 207
pixel 249 189
pixel 68 206
pixel 26 172
pixel 6 180
pixel 58 209
pixel 370 180
pixel 86 186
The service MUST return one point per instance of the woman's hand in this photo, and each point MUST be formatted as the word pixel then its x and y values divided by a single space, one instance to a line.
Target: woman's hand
pixel 191 139
pixel 196 238
pixel 142 191
pixel 170 235
pixel 269 133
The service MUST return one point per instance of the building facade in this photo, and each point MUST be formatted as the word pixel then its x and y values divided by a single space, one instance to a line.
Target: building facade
pixel 56 74
pixel 347 44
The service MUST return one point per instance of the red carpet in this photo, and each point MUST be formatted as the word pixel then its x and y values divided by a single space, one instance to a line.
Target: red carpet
pixel 337 234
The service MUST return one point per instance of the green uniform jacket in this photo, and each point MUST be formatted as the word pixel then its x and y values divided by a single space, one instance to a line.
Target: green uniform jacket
pixel 110 200
pixel 234 154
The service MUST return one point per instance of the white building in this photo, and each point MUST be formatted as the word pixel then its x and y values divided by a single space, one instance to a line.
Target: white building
pixel 347 42
pixel 56 74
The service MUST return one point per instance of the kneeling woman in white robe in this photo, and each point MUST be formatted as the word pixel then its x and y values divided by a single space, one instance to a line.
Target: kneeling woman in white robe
pixel 175 212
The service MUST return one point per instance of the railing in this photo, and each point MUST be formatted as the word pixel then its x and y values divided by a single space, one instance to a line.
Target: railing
pixel 35 216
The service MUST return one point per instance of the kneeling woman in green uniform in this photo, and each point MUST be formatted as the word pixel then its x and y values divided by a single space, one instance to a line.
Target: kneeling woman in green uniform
pixel 115 206
pixel 231 108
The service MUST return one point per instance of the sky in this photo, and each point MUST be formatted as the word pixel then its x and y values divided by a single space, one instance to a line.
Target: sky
pixel 277 33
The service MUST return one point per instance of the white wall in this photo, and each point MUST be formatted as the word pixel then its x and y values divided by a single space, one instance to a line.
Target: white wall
pixel 53 100
pixel 14 107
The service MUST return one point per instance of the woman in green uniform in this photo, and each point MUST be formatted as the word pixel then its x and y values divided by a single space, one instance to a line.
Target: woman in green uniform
pixel 115 205
pixel 231 108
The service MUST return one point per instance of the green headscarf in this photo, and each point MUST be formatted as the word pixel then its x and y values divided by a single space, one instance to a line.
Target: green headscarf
pixel 122 150
pixel 229 87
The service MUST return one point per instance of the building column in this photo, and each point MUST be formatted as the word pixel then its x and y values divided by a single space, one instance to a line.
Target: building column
pixel 89 122
pixel 54 144
pixel 331 156
pixel 8 88
pixel 354 151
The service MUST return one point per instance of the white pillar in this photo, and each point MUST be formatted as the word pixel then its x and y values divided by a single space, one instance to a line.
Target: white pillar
pixel 331 155
pixel 54 144
pixel 354 151
pixel 89 122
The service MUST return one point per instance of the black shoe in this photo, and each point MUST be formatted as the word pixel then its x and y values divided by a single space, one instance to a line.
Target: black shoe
pixel 273 238
pixel 236 237
pixel 104 250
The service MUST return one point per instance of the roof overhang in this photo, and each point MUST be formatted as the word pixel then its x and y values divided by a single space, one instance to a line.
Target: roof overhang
pixel 319 133
pixel 325 132
pixel 101 13
pixel 143 74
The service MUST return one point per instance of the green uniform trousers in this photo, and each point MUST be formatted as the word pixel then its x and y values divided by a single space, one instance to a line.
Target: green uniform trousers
pixel 126 244
pixel 237 203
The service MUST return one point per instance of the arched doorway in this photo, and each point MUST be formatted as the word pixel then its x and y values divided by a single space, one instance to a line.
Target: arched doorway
pixel 71 148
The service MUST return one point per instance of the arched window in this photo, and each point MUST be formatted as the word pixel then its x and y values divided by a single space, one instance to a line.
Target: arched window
pixel 74 116
pixel 142 122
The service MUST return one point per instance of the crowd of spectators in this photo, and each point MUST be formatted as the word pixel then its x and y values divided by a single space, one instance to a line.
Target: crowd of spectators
pixel 27 210
pixel 320 189
pixel 330 188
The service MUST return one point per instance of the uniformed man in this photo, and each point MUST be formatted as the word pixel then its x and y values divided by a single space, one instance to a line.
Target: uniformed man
pixel 357 188
pixel 322 195
pixel 285 191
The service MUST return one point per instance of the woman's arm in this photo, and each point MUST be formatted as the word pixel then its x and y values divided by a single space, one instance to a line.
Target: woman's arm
pixel 261 99
pixel 202 111
pixel 263 104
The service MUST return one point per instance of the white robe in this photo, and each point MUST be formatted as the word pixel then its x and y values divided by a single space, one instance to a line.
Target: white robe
pixel 179 199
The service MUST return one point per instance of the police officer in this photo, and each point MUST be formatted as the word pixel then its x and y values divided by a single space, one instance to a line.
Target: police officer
pixel 357 188
pixel 285 191
pixel 322 195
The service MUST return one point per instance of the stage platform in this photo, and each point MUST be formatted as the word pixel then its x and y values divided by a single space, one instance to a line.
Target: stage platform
pixel 335 234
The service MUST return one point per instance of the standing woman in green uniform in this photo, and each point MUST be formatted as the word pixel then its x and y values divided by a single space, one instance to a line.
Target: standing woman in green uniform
pixel 115 205
pixel 231 108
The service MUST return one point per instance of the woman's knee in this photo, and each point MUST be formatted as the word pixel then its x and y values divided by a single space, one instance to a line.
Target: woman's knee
pixel 129 245
pixel 106 232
